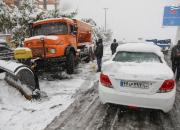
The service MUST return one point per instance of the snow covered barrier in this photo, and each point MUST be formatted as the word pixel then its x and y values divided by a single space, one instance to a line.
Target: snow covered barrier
pixel 20 77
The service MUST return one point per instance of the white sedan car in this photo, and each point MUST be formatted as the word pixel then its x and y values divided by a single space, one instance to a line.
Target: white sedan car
pixel 138 76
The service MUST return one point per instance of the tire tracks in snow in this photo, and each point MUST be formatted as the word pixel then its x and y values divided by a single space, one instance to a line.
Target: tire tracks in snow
pixel 87 113
pixel 77 112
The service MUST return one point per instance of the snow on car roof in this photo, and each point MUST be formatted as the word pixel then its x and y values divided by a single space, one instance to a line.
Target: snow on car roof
pixel 140 47
pixel 2 40
pixel 2 45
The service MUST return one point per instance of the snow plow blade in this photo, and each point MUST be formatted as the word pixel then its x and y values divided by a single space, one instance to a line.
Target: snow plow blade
pixel 21 77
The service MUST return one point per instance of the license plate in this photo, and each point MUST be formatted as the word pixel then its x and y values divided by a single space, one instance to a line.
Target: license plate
pixel 135 84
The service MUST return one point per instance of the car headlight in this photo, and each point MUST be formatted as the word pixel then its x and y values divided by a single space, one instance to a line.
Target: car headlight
pixel 52 51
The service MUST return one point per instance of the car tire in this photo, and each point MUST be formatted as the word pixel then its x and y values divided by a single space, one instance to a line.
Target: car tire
pixel 70 63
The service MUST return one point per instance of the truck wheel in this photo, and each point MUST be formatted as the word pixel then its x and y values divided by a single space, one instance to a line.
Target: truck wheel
pixel 70 63
pixel 90 56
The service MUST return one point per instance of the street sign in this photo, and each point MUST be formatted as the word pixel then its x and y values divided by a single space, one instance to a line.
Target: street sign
pixel 171 16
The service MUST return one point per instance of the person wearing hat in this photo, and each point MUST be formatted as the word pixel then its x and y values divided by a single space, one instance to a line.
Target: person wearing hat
pixel 99 53
pixel 114 45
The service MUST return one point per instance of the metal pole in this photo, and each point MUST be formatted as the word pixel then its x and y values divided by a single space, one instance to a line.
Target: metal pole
pixel 45 4
pixel 105 9
pixel 56 5
pixel 177 35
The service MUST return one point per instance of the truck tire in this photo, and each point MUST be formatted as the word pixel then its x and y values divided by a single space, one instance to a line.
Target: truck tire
pixel 70 63
pixel 90 56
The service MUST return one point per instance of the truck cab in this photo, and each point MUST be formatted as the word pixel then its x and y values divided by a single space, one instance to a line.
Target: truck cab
pixel 59 41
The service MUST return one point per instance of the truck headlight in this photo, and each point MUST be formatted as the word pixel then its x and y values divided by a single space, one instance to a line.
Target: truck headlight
pixel 52 51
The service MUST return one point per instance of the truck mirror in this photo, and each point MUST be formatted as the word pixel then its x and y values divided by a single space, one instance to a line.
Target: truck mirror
pixel 75 28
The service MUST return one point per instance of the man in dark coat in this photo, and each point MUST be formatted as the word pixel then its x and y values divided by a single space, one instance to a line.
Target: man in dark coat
pixel 99 53
pixel 175 58
pixel 114 45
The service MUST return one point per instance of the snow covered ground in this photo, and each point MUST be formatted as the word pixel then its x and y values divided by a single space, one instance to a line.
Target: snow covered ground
pixel 17 113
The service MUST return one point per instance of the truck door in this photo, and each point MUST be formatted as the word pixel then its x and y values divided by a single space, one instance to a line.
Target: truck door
pixel 73 38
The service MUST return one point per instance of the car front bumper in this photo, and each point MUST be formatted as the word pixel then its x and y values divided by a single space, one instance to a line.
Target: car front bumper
pixel 160 101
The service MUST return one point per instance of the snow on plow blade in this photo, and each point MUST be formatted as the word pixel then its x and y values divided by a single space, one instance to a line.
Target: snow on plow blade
pixel 20 77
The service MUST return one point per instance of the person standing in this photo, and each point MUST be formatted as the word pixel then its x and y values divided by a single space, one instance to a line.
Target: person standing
pixel 114 45
pixel 175 58
pixel 99 53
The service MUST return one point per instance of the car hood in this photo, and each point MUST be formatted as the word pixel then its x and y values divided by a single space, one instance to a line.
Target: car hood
pixel 143 71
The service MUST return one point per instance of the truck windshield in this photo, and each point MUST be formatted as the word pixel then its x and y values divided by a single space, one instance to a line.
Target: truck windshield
pixel 50 29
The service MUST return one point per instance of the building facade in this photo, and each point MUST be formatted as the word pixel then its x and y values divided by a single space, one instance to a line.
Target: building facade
pixel 48 4
pixel 13 2
pixel 44 4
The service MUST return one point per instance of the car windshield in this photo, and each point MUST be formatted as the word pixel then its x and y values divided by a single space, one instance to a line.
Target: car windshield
pixel 137 57
pixel 50 29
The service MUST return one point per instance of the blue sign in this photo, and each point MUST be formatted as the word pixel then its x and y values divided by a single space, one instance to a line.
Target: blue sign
pixel 171 16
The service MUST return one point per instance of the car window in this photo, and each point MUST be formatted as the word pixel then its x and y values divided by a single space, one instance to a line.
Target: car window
pixel 138 57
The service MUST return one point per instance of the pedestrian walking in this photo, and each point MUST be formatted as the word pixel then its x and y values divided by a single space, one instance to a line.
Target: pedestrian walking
pixel 175 58
pixel 114 45
pixel 99 53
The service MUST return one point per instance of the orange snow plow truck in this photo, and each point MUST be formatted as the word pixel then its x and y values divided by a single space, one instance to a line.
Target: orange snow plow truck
pixel 57 44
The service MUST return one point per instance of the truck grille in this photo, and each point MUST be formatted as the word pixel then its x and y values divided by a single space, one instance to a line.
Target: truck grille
pixel 37 52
